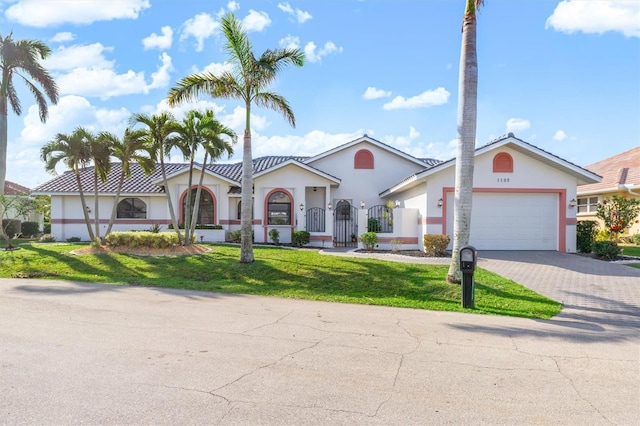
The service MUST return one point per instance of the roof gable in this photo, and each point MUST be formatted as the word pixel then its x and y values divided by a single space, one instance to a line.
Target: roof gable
pixel 582 174
pixel 294 162
pixel 12 188
pixel 365 138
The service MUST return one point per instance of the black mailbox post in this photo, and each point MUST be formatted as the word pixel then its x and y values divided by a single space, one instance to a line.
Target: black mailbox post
pixel 468 258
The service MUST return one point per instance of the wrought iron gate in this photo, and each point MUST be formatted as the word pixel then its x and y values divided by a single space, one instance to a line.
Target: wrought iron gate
pixel 345 225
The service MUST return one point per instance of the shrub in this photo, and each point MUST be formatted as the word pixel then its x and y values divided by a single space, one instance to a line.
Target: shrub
pixel 435 245
pixel 47 238
pixel 155 228
pixel 11 227
pixel 47 228
pixel 373 225
pixel 300 238
pixel 274 234
pixel 636 239
pixel 73 240
pixel 606 250
pixel 234 236
pixel 142 239
pixel 395 245
pixel 30 228
pixel 603 235
pixel 586 231
pixel 369 240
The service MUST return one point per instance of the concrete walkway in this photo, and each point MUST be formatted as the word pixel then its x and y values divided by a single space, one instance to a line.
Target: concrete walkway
pixel 75 353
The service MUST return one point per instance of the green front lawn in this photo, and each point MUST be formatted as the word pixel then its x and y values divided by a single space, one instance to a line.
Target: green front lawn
pixel 630 250
pixel 301 274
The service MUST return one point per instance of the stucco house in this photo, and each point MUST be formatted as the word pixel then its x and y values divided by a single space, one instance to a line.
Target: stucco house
pixel 521 197
pixel 620 176
pixel 15 190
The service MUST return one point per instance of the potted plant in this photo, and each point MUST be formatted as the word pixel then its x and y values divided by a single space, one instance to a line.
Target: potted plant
pixel 354 238
pixel 274 234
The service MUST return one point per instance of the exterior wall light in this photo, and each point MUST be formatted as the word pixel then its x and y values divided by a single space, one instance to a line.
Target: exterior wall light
pixel 440 202
pixel 329 206
pixel 572 203
pixel 362 204
pixel 301 206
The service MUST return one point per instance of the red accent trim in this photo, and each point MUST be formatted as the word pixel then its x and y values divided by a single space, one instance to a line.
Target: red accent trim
pixel 502 163
pixel 432 220
pixel 404 240
pixel 184 194
pixel 116 222
pixel 229 222
pixel 562 203
pixel 363 159
pixel 266 209
pixel 571 222
pixel 320 238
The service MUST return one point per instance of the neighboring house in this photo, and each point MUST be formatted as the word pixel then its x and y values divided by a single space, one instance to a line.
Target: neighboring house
pixel 620 176
pixel 12 189
pixel 520 202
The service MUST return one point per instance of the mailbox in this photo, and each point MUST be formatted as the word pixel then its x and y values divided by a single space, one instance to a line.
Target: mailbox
pixel 468 259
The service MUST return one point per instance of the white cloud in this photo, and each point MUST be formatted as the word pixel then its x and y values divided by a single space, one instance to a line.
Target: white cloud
pixel 63 37
pixel 402 142
pixel 560 135
pixel 201 27
pixel 439 96
pixel 89 55
pixel 70 112
pixel 36 13
pixel 312 143
pixel 516 124
pixel 290 42
pixel 256 21
pixel 300 15
pixel 105 83
pixel 312 56
pixel 597 16
pixel 233 6
pixel 162 42
pixel 374 93
pixel 213 68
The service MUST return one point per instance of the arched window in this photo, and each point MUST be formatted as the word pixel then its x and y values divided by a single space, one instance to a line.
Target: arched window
pixel 206 208
pixel 363 159
pixel 279 209
pixel 132 208
pixel 502 163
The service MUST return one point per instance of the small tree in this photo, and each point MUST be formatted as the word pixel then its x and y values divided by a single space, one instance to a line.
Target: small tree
pixel 618 213
pixel 20 207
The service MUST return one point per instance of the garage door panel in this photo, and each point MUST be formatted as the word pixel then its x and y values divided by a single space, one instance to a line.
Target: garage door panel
pixel 511 221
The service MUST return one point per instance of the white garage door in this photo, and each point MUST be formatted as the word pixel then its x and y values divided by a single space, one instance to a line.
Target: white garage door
pixel 511 221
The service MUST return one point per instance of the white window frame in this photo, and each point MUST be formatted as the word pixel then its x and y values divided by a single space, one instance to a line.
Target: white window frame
pixel 587 205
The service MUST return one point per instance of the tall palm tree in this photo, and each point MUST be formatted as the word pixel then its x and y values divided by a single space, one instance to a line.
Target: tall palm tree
pixel 100 150
pixel 467 117
pixel 73 151
pixel 197 131
pixel 214 148
pixel 131 148
pixel 249 82
pixel 21 57
pixel 160 140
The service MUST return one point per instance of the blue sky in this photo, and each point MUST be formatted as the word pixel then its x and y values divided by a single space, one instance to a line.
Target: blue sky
pixel 562 75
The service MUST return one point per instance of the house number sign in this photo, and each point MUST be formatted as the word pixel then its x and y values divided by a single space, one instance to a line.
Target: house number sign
pixel 503 179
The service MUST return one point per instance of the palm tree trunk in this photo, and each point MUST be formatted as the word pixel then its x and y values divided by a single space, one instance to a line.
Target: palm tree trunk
pixel 188 218
pixel 172 213
pixel 246 243
pixel 114 210
pixel 196 205
pixel 96 216
pixel 3 158
pixel 467 116
pixel 83 202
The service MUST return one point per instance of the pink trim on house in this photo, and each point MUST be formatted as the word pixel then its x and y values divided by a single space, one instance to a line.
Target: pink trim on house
pixel 266 209
pixel 115 222
pixel 204 188
pixel 229 222
pixel 562 203
pixel 571 222
pixel 429 220
pixel 320 238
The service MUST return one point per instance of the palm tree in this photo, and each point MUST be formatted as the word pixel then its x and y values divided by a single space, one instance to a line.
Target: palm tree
pixel 249 82
pixel 214 148
pixel 128 149
pixel 467 117
pixel 100 151
pixel 73 151
pixel 196 131
pixel 21 58
pixel 160 130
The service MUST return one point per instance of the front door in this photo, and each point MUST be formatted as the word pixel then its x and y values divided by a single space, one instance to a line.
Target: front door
pixel 345 225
